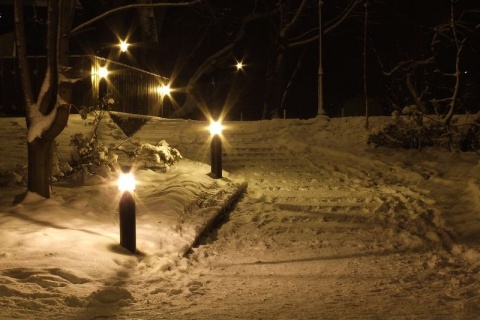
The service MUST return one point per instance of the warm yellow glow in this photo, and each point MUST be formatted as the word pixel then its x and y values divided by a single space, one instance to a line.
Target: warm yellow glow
pixel 239 65
pixel 126 182
pixel 102 72
pixel 216 127
pixel 164 90
pixel 124 46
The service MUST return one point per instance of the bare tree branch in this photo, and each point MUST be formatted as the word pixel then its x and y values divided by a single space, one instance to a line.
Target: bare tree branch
pixel 131 6
pixel 295 18
pixel 329 26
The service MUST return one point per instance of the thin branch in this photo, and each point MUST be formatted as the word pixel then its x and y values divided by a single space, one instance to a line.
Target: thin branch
pixel 295 18
pixel 332 24
pixel 346 12
pixel 301 36
pixel 131 6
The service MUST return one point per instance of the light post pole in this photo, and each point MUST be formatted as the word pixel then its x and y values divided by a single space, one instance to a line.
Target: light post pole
pixel 126 184
pixel 216 150
pixel 321 110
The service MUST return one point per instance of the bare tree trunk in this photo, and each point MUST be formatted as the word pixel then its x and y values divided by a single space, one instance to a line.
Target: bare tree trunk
pixel 21 49
pixel 278 83
pixel 45 107
pixel 39 167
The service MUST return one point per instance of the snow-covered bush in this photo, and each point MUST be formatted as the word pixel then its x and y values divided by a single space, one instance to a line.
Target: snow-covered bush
pixel 160 155
pixel 92 161
pixel 409 132
pixel 91 155
pixel 402 134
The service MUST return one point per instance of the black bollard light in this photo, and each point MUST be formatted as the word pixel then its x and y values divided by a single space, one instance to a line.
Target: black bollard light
pixel 126 184
pixel 216 150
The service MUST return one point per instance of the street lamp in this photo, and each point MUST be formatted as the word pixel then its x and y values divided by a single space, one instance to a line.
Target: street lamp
pixel 164 90
pixel 216 149
pixel 126 208
pixel 102 72
pixel 239 65
pixel 123 46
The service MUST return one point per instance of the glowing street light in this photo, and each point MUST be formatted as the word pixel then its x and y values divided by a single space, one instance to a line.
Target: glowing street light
pixel 164 90
pixel 239 65
pixel 124 46
pixel 102 72
pixel 216 149
pixel 126 208
pixel 216 127
pixel 126 182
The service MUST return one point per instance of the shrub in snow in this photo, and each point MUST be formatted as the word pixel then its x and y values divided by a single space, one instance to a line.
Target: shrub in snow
pixel 160 155
pixel 91 156
pixel 93 162
pixel 406 133
pixel 411 133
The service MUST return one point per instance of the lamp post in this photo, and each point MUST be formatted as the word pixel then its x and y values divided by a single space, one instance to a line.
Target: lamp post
pixel 216 150
pixel 126 184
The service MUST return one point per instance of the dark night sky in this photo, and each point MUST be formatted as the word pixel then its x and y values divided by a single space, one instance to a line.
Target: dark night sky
pixel 398 30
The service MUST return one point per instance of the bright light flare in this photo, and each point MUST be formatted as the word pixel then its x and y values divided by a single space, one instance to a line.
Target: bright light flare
pixel 102 72
pixel 216 127
pixel 239 65
pixel 164 90
pixel 126 182
pixel 124 46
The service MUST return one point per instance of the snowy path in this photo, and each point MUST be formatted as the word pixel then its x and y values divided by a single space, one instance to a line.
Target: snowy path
pixel 329 229
pixel 330 236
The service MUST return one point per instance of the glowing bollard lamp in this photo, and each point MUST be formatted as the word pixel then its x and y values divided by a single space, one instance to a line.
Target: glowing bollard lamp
pixel 216 150
pixel 126 184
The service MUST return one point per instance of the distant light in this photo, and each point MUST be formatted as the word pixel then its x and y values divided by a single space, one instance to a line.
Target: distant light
pixel 126 182
pixel 216 127
pixel 239 65
pixel 124 46
pixel 102 72
pixel 164 90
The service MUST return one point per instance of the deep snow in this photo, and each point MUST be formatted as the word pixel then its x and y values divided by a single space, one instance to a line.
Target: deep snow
pixel 329 228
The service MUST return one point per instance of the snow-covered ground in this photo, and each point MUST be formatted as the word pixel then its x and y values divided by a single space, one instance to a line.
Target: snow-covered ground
pixel 329 228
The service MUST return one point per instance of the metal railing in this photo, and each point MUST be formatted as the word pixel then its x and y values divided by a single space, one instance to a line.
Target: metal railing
pixel 133 90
